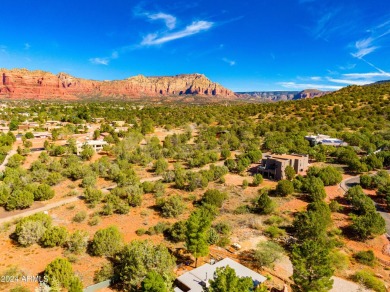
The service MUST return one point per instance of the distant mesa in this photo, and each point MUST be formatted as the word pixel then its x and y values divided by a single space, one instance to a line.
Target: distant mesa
pixel 26 84
pixel 268 96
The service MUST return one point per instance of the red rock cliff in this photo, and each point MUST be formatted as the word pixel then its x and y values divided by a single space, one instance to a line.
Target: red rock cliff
pixel 25 84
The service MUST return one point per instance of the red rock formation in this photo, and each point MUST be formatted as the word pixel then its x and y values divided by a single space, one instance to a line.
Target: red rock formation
pixel 25 84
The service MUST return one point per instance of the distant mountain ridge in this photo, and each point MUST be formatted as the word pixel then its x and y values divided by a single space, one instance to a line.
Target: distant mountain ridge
pixel 268 96
pixel 26 84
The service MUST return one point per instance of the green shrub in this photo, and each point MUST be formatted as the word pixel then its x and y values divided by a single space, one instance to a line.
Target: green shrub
pixel 274 220
pixel 19 199
pixel 284 188
pixel 369 280
pixel 140 231
pixel 95 220
pixel 172 207
pixel 223 228
pixel 214 197
pixel 334 206
pixel 19 289
pixel 30 232
pixel 242 209
pixel 43 192
pixel 223 241
pixel 274 231
pixel 257 180
pixel 92 196
pixel 213 236
pixel 59 270
pixel 106 242
pixel 176 232
pixel 245 184
pixel 339 260
pixel 106 272
pixel 264 204
pixel 54 236
pixel 365 257
pixel 77 242
pixel 159 228
pixel 80 217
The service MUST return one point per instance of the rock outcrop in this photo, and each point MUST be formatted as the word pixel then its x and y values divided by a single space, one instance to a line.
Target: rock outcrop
pixel 25 84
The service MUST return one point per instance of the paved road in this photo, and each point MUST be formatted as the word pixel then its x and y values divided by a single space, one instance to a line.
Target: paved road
pixel 355 180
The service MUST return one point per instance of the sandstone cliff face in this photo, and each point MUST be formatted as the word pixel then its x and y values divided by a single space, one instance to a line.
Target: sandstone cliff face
pixel 25 84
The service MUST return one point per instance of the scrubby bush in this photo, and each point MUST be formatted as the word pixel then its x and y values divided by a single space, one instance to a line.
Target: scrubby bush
pixel 77 242
pixel 365 257
pixel 106 272
pixel 59 271
pixel 140 231
pixel 264 204
pixel 93 196
pixel 54 236
pixel 172 207
pixel 339 260
pixel 43 192
pixel 284 188
pixel 214 197
pixel 369 280
pixel 19 199
pixel 176 232
pixel 274 231
pixel 257 180
pixel 106 242
pixel 223 228
pixel 159 228
pixel 212 236
pixel 334 206
pixel 30 232
pixel 80 217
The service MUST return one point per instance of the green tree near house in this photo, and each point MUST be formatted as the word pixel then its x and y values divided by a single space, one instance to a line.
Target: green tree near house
pixel 226 279
pixel 153 282
pixel 312 266
pixel 197 227
pixel 139 258
pixel 290 173
pixel 264 204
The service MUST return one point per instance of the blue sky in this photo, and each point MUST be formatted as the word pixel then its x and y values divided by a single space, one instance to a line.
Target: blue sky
pixel 245 45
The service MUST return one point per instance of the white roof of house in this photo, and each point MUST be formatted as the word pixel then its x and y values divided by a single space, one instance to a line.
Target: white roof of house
pixel 199 277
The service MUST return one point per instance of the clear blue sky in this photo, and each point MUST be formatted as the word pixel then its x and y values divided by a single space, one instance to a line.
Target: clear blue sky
pixel 245 45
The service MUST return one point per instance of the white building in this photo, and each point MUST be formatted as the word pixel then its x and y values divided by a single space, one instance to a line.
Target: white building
pixel 195 280
pixel 97 145
pixel 325 140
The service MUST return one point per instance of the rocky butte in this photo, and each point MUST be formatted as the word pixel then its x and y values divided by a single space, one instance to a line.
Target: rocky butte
pixel 26 84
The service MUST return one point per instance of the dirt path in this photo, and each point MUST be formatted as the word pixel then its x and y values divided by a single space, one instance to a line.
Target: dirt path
pixel 2 166
pixel 47 207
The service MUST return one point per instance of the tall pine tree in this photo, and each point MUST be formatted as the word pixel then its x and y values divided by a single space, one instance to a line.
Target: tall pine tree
pixel 198 225
pixel 312 267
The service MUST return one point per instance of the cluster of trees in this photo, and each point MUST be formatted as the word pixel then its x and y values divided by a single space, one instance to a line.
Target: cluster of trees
pixel 19 189
pixel 38 228
pixel 366 221
pixel 380 181
pixel 191 180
